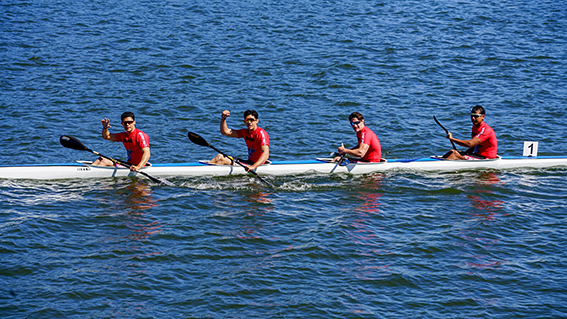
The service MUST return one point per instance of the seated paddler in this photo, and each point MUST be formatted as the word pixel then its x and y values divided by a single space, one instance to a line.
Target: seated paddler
pixel 136 142
pixel 483 143
pixel 256 138
pixel 368 148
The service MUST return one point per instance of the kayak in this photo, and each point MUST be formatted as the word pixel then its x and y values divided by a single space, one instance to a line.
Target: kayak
pixel 84 169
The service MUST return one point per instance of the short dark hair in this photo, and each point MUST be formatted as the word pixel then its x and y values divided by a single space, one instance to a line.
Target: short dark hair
pixel 478 108
pixel 127 114
pixel 355 115
pixel 251 112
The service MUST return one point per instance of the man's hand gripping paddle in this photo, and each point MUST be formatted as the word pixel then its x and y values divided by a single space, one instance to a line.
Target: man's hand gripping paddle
pixel 73 143
pixel 197 139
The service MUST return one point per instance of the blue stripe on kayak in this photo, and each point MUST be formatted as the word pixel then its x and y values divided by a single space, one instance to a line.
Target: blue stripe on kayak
pixel 43 165
pixel 273 163
pixel 179 164
pixel 423 159
pixel 297 162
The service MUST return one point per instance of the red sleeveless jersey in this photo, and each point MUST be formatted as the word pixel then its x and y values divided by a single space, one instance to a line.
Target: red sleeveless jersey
pixel 134 143
pixel 368 137
pixel 489 145
pixel 254 142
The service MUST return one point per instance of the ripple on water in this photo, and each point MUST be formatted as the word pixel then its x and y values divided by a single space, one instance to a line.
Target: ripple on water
pixel 395 244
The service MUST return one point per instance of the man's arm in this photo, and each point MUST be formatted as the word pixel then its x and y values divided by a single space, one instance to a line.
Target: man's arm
pixel 357 151
pixel 108 136
pixel 145 158
pixel 105 132
pixel 224 128
pixel 473 142
pixel 263 158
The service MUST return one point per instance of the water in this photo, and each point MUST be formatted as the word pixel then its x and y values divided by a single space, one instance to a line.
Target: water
pixel 477 244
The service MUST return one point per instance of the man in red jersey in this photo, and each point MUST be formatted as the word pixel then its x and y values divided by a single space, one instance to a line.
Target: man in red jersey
pixel 136 142
pixel 368 148
pixel 257 140
pixel 482 145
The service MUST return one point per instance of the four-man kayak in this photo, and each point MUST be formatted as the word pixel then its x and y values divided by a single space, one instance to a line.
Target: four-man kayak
pixel 83 169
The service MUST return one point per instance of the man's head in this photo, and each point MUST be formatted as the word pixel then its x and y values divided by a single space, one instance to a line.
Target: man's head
pixel 251 119
pixel 128 121
pixel 251 112
pixel 127 114
pixel 478 109
pixel 356 121
pixel 477 115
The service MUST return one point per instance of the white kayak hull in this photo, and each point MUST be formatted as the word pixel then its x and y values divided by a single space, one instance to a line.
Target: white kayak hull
pixel 85 170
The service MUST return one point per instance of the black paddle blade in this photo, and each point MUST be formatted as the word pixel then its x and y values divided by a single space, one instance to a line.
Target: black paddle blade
pixel 73 143
pixel 197 139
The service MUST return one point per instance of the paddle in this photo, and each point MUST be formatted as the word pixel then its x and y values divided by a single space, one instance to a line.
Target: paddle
pixel 73 143
pixel 446 131
pixel 197 139
pixel 339 163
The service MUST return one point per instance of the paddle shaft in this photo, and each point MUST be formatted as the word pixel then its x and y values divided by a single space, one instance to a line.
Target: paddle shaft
pixel 339 162
pixel 155 180
pixel 446 131
pixel 73 143
pixel 197 139
pixel 244 166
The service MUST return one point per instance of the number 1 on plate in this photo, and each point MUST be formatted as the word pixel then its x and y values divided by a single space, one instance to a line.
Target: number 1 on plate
pixel 530 148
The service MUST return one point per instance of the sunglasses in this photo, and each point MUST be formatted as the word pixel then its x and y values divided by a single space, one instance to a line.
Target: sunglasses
pixel 473 115
pixel 355 123
pixel 249 120
pixel 127 122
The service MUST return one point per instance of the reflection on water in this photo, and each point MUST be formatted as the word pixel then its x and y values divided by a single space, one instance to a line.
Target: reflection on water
pixel 371 203
pixel 369 193
pixel 138 196
pixel 485 208
pixel 138 200
pixel 260 197
pixel 246 210
pixel 126 241
pixel 259 204
pixel 132 202
pixel 364 230
pixel 480 237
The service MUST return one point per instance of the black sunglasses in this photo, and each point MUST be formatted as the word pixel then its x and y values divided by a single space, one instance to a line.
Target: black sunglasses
pixel 127 122
pixel 354 123
pixel 473 115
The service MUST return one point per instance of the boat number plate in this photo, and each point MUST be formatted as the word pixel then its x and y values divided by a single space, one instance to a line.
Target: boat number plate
pixel 82 169
pixel 530 148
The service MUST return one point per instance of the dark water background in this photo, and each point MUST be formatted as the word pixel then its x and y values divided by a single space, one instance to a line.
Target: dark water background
pixel 480 244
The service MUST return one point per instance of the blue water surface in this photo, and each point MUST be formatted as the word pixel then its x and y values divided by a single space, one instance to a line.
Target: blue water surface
pixel 472 244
